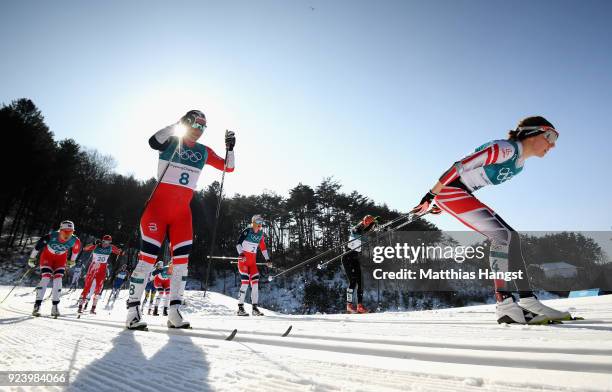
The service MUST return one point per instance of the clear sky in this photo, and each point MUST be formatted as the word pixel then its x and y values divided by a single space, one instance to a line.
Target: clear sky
pixel 382 95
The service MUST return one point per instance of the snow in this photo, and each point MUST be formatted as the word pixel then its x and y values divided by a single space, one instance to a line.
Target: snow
pixel 461 349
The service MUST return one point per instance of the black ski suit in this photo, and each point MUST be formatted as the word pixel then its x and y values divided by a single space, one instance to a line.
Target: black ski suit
pixel 352 267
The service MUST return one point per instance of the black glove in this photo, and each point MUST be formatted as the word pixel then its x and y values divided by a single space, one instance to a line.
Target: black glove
pixel 429 196
pixel 424 204
pixel 230 140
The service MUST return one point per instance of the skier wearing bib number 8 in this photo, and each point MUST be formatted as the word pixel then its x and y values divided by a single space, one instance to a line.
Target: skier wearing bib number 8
pixel 491 164
pixel 181 161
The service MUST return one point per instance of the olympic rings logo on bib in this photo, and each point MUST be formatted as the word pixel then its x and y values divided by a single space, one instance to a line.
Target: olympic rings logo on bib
pixel 57 248
pixel 190 155
pixel 504 174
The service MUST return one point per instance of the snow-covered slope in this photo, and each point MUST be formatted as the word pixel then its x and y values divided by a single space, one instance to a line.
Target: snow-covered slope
pixel 446 350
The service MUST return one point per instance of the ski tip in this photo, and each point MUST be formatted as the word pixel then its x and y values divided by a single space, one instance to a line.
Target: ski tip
pixel 287 331
pixel 232 335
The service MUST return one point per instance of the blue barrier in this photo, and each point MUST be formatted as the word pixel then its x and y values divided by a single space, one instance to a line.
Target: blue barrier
pixel 584 293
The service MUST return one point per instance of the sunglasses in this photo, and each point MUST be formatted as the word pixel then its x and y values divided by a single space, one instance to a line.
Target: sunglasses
pixel 551 136
pixel 199 123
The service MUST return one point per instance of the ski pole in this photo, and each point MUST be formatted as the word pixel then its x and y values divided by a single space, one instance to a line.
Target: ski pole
pixel 214 234
pixel 222 258
pixel 310 260
pixel 19 282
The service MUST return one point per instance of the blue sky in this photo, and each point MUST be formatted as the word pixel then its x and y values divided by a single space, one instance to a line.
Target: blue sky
pixel 384 96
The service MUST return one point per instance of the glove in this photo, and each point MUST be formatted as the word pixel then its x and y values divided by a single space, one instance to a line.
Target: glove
pixel 230 140
pixel 70 263
pixel 268 264
pixel 241 258
pixel 32 262
pixel 424 204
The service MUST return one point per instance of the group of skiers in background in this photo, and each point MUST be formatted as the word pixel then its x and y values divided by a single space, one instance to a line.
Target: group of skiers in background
pixel 167 213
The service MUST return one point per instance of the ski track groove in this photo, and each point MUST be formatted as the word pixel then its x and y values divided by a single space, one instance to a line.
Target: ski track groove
pixel 388 352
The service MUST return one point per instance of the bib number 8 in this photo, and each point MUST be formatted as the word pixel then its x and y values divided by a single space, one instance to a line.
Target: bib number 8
pixel 184 180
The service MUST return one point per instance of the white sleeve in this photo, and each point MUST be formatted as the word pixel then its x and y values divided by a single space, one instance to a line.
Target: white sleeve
pixel 355 244
pixel 164 134
pixel 230 162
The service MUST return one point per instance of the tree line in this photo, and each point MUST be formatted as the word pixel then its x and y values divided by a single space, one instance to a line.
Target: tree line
pixel 52 180
pixel 48 180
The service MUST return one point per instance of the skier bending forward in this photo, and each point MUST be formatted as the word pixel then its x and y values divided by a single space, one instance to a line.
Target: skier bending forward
pixel 97 270
pixel 181 160
pixel 491 164
pixel 352 267
pixel 119 279
pixel 53 261
pixel 250 239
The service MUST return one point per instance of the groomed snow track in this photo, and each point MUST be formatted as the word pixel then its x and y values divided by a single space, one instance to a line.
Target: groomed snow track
pixel 448 350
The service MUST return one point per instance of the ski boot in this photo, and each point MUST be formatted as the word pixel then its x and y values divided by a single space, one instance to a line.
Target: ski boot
pixel 165 311
pixel 93 309
pixel 85 306
pixel 533 305
pixel 256 311
pixel 54 311
pixel 175 318
pixel 508 312
pixel 350 309
pixel 149 312
pixel 155 311
pixel 133 320
pixel 80 309
pixel 241 311
pixel 36 311
pixel 361 309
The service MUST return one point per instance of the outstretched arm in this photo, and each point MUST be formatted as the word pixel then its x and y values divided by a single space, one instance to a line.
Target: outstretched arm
pixel 497 152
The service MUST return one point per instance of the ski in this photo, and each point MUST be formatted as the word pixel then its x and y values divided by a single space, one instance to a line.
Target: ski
pixel 232 335
pixel 287 331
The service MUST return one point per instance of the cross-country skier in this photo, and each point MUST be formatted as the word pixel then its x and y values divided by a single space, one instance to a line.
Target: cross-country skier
pixel 150 287
pixel 97 269
pixel 119 279
pixel 161 281
pixel 250 239
pixel 491 164
pixel 76 275
pixel 53 261
pixel 352 267
pixel 181 160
